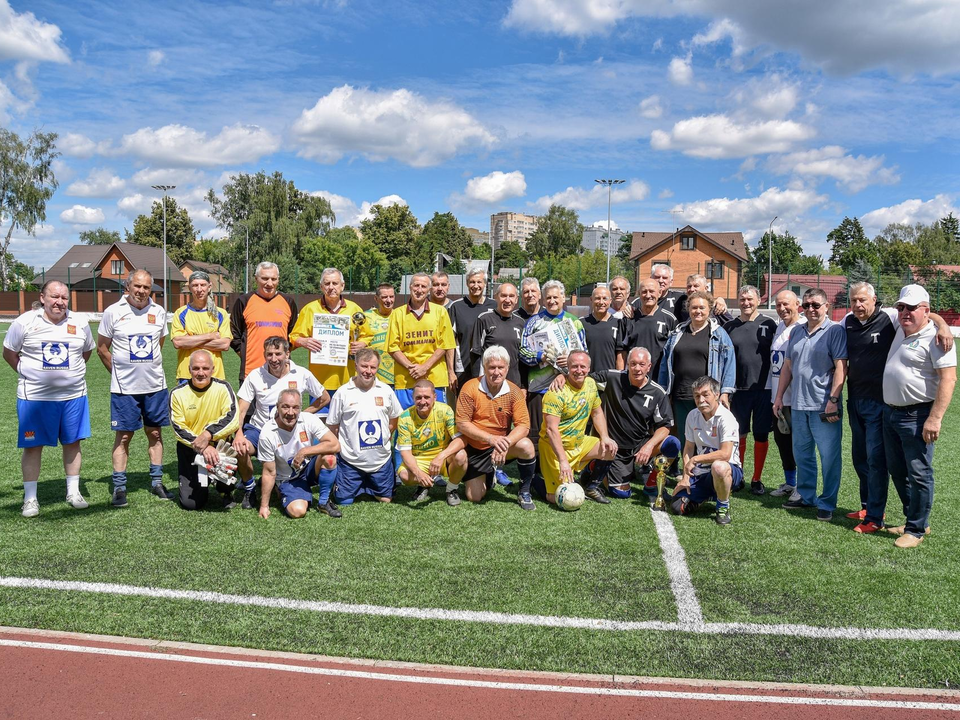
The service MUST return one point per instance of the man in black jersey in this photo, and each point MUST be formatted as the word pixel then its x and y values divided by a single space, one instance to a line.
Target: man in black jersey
pixel 463 316
pixel 663 274
pixel 650 327
pixel 752 336
pixel 529 298
pixel 500 326
pixel 604 332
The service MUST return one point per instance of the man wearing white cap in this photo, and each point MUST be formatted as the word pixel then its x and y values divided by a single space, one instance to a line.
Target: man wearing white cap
pixel 918 383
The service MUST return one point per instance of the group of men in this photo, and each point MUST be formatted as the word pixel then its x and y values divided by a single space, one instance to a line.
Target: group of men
pixel 438 394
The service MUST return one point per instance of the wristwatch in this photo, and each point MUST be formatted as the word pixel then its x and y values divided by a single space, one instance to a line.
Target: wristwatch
pixel 834 399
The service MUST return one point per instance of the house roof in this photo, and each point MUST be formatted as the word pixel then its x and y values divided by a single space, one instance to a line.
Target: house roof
pixel 212 268
pixel 80 262
pixel 730 242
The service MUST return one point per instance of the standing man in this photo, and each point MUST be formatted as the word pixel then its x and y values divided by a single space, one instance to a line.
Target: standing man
pixel 788 308
pixel 499 326
pixel 663 274
pixel 603 332
pixel 700 283
pixel 200 325
pixel 463 316
pixel 374 330
pixel 129 344
pixel 752 336
pixel 650 327
pixel 529 298
pixel 439 287
pixel 620 297
pixel 816 367
pixel 259 315
pixel 418 339
pixel 918 382
pixel 363 416
pixel 48 348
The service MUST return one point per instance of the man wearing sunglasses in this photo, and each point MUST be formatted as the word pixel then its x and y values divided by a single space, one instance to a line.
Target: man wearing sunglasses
pixel 918 382
pixel 816 367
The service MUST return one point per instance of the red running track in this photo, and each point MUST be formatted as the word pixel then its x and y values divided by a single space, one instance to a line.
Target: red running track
pixel 64 675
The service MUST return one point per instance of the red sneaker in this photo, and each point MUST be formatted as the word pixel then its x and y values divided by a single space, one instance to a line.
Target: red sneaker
pixel 857 514
pixel 867 527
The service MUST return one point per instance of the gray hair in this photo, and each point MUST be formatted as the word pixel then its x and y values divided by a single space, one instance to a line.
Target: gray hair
pixel 706 381
pixel 552 285
pixel 528 281
pixel 863 285
pixel 697 276
pixel 495 352
pixel 664 266
pixel 750 289
pixel 290 391
pixel 364 353
pixel 134 273
pixel 579 352
pixel 640 350
pixel 503 285
pixel 331 271
pixel 621 277
pixel 423 275
pixel 477 271
pixel 266 265
pixel 211 303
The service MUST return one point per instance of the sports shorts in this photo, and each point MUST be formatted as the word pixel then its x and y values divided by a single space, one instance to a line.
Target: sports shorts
pixel 701 486
pixel 550 464
pixel 352 482
pixel 46 422
pixel 132 412
pixel 755 403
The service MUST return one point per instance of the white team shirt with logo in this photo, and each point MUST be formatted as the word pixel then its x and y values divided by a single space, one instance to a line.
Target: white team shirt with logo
pixel 51 355
pixel 364 419
pixel 708 435
pixel 261 389
pixel 136 335
pixel 280 446
pixel 778 353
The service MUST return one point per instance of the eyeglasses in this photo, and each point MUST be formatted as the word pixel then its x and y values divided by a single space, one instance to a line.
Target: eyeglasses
pixel 812 306
pixel 903 307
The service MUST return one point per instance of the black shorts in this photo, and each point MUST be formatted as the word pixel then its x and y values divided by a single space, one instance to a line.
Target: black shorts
pixel 745 403
pixel 622 469
pixel 480 464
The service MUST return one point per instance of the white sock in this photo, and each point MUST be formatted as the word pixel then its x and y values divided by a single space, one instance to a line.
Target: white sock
pixel 452 486
pixel 73 485
pixel 29 491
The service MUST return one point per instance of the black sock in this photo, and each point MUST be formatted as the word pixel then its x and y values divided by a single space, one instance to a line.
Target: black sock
pixel 527 470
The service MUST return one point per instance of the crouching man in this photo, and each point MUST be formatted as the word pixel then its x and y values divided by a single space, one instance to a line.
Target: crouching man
pixel 711 463
pixel 203 410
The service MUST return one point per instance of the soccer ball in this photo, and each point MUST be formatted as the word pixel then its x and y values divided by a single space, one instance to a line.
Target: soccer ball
pixel 569 496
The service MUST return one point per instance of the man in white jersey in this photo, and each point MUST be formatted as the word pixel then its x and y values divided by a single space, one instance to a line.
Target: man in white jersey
pixel 364 414
pixel 290 446
pixel 711 463
pixel 48 349
pixel 129 344
pixel 260 391
pixel 788 308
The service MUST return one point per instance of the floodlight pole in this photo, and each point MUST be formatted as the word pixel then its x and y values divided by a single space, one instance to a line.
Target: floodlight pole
pixel 246 271
pixel 164 189
pixel 609 185
pixel 770 263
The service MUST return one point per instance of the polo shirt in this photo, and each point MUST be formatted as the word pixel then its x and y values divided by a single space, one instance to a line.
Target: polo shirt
pixel 330 376
pixel 494 414
pixel 418 337
pixel 709 435
pixel 868 345
pixel 811 363
pixel 910 375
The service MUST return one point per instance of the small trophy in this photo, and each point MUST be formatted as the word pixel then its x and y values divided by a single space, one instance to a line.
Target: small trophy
pixel 359 319
pixel 661 463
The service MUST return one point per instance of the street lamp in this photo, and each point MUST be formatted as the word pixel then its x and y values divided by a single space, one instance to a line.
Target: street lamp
pixel 770 263
pixel 164 189
pixel 609 185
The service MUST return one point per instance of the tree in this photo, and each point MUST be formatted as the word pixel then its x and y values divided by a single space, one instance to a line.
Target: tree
pixel 788 257
pixel 27 182
pixel 443 233
pixel 558 233
pixel 850 244
pixel 148 230
pixel 481 252
pixel 951 226
pixel 99 236
pixel 362 264
pixel 19 275
pixel 576 270
pixel 510 254
pixel 395 231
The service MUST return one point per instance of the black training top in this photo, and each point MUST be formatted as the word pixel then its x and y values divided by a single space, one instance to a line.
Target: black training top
pixel 751 346
pixel 633 414
pixel 604 340
pixel 649 331
pixel 492 328
pixel 690 356
pixel 867 347
pixel 463 316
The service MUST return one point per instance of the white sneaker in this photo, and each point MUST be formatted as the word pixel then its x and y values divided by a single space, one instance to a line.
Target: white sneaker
pixel 31 508
pixel 794 496
pixel 77 502
pixel 784 489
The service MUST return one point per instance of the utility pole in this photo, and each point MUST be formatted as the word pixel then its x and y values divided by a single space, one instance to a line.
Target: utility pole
pixel 609 185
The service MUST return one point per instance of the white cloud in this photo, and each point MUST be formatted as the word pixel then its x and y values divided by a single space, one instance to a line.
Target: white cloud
pixel 178 145
pixel 680 72
pixel 910 212
pixel 347 211
pixel 82 215
pixel 750 214
pixel 23 37
pixel 851 173
pixel 769 97
pixel 382 125
pixel 495 188
pixel 76 145
pixel 155 57
pixel 100 183
pixel 665 194
pixel 602 224
pixel 717 136
pixel 10 102
pixel 572 17
pixel 133 205
pixel 721 30
pixel 166 176
pixel 650 107
pixel 578 198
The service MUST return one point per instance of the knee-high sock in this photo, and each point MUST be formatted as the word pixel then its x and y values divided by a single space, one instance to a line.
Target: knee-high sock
pixel 742 448
pixel 327 477
pixel 527 469
pixel 539 487
pixel 759 458
pixel 594 473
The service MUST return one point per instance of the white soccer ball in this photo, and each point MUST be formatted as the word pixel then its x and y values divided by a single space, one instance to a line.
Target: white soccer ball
pixel 569 496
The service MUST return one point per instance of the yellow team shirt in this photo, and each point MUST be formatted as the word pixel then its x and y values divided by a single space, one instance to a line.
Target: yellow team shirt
pixel 426 437
pixel 213 409
pixel 190 321
pixel 573 407
pixel 330 376
pixel 374 333
pixel 418 338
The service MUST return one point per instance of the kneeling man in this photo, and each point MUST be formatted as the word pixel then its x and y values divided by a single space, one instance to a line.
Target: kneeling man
pixel 565 448
pixel 290 446
pixel 711 463
pixel 429 444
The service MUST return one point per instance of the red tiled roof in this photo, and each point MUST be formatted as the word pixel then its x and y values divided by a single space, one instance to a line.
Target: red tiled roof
pixel 731 242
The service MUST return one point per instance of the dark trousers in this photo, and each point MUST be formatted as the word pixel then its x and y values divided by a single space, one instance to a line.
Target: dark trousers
pixel 784 442
pixel 869 459
pixel 910 461
pixel 192 496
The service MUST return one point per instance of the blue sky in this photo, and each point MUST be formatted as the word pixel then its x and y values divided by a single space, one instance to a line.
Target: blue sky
pixel 718 113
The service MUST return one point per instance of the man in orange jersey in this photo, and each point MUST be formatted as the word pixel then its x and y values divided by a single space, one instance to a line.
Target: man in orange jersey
pixel 258 315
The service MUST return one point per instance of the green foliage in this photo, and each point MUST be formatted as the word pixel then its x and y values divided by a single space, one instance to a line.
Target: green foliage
pixel 99 236
pixel 576 270
pixel 394 230
pixel 951 226
pixel 510 254
pixel 19 275
pixel 559 234
pixel 363 265
pixel 788 257
pixel 442 233
pixel 148 230
pixel 902 245
pixel 850 244
pixel 27 182
pixel 481 252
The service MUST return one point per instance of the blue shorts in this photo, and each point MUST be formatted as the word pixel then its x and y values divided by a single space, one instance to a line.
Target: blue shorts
pixel 300 486
pixel 701 486
pixel 352 482
pixel 132 412
pixel 45 422
pixel 252 436
pixel 406 396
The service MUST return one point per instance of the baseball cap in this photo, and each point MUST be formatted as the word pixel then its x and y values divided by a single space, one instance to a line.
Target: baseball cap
pixel 914 295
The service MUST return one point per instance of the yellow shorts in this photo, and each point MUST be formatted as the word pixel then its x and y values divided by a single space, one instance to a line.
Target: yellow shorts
pixel 550 465
pixel 423 463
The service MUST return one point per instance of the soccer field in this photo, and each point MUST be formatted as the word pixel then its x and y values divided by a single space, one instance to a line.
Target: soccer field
pixel 610 589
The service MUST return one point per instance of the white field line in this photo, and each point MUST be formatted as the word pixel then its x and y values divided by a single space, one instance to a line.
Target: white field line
pixel 488 684
pixel 689 613
pixel 486 617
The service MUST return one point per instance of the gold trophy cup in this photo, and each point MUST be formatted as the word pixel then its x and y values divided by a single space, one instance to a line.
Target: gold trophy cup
pixel 661 463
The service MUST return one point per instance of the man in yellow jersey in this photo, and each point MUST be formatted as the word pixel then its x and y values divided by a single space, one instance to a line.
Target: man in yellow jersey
pixel 374 330
pixel 200 325
pixel 418 339
pixel 429 443
pixel 564 446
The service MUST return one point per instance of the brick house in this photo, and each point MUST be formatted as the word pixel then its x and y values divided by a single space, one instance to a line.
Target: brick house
pixel 719 256
pixel 219 275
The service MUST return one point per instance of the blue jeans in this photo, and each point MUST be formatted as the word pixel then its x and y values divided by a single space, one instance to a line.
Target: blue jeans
pixel 870 462
pixel 910 460
pixel 810 435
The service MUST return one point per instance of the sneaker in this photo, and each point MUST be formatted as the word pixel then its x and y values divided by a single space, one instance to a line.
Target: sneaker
pixel 597 495
pixel 421 494
pixel 783 490
pixel 908 541
pixel 119 498
pixel 857 514
pixel 228 502
pixel 901 529
pixel 824 515
pixel 249 501
pixel 453 498
pixel 161 492
pixel 757 488
pixel 526 502
pixel 867 527
pixel 795 495
pixel 31 508
pixel 797 504
pixel 77 502
pixel 723 516
pixel 501 477
pixel 329 509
